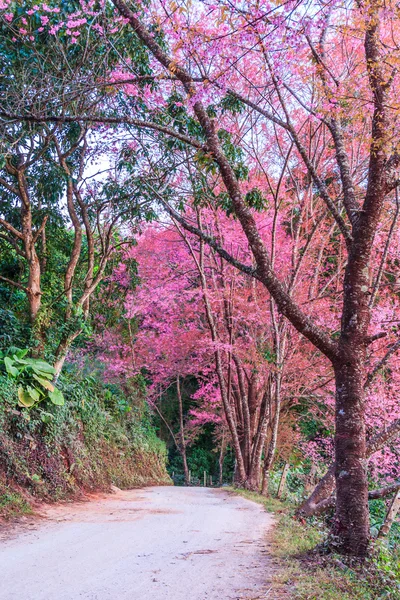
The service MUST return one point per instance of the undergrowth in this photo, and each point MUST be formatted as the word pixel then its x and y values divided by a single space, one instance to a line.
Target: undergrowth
pixel 307 572
pixel 101 436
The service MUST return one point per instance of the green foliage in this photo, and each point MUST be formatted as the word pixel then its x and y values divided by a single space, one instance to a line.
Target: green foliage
pixel 232 103
pixel 33 377
pixel 255 199
pixel 12 504
pixel 11 327
pixel 102 435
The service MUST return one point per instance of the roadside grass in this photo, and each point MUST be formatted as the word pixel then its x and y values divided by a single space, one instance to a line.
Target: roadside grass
pixel 13 505
pixel 307 572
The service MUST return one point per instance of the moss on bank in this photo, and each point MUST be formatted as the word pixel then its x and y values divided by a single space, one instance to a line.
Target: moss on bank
pixel 101 436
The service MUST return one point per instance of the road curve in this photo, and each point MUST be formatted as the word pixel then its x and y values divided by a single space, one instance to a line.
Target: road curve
pixel 165 543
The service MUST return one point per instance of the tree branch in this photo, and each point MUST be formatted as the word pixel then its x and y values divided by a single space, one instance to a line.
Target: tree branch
pixel 107 120
pixel 14 283
pixel 11 229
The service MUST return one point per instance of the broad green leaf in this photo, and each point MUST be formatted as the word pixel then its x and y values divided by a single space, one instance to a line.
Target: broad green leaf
pixel 39 366
pixel 11 370
pixel 57 397
pixel 41 373
pixel 20 353
pixel 33 393
pixel 24 398
pixel 17 351
pixel 44 382
pixel 44 367
pixel 20 361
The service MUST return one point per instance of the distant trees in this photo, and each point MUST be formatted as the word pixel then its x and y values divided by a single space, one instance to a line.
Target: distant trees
pixel 197 317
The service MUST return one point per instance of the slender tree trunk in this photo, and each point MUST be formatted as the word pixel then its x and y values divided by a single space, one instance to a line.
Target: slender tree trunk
pixel 182 444
pixel 391 515
pixel 221 458
pixel 322 491
pixel 34 289
pixel 254 476
pixel 185 466
pixel 62 352
pixel 240 472
pixel 282 482
pixel 270 453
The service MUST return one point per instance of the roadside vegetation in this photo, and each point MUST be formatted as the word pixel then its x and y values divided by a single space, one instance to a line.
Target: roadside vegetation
pixel 306 569
pixel 101 436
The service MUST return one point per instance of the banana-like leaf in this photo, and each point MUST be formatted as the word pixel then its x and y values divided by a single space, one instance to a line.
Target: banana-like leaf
pixel 11 370
pixel 42 366
pixel 33 393
pixel 57 397
pixel 44 382
pixel 39 366
pixel 41 373
pixel 24 399
pixel 18 351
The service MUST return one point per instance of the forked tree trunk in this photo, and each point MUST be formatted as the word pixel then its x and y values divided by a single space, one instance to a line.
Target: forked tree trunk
pixel 326 486
pixel 240 471
pixel 254 473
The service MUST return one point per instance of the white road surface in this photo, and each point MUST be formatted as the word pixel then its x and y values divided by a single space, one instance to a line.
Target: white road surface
pixel 165 543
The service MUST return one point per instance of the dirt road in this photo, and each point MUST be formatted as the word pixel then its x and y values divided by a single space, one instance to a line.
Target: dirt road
pixel 154 544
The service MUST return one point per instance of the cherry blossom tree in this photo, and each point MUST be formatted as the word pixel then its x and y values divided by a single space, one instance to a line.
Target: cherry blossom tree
pixel 302 89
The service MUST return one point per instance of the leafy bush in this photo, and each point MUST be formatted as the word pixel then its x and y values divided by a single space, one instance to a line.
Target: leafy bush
pixel 34 378
pixel 88 443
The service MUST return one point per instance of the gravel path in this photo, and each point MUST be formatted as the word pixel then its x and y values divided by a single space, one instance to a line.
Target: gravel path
pixel 166 543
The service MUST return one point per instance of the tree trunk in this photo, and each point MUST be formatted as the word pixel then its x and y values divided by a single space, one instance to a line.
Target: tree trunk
pixel 182 445
pixel 350 531
pixel 221 457
pixel 240 472
pixel 326 485
pixel 62 352
pixel 309 484
pixel 185 466
pixel 391 515
pixel 34 291
pixel 270 453
pixel 322 491
pixel 282 482
pixel 254 476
